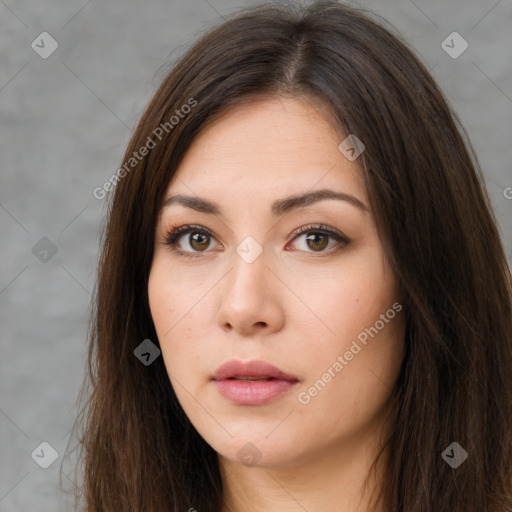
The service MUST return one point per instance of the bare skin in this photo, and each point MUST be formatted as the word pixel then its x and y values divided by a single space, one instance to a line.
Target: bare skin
pixel 299 305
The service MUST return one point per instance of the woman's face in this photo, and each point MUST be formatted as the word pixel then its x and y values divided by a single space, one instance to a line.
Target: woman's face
pixel 243 284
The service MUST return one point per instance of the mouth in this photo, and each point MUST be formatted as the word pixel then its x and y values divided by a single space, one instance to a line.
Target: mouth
pixel 254 370
pixel 252 383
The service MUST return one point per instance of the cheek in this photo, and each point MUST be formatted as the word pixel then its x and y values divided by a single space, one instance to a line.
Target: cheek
pixel 349 382
pixel 362 324
pixel 178 324
pixel 354 296
pixel 170 298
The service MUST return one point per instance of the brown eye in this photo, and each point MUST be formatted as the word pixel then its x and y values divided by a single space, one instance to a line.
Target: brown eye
pixel 317 241
pixel 197 238
pixel 199 241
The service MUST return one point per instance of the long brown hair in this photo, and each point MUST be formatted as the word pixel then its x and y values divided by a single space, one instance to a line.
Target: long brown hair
pixel 138 449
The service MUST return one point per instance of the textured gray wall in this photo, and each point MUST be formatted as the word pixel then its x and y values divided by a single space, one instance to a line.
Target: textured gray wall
pixel 65 122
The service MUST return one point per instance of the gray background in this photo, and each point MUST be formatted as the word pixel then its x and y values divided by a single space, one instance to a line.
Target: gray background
pixel 65 121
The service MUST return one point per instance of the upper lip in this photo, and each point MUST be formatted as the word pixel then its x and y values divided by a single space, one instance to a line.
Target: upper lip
pixel 254 368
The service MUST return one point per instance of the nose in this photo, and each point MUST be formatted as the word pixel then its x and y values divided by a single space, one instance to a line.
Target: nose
pixel 250 298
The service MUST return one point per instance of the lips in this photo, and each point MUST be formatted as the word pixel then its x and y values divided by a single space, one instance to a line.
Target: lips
pixel 253 383
pixel 254 370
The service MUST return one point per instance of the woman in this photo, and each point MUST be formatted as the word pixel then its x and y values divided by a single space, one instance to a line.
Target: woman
pixel 303 301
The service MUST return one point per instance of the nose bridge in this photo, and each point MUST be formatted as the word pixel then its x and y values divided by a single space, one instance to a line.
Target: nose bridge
pixel 249 266
pixel 246 299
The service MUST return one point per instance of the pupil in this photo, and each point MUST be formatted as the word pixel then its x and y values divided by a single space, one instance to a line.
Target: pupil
pixel 314 238
pixel 197 244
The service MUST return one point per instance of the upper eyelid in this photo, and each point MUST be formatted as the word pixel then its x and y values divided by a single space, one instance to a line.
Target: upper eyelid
pixel 185 229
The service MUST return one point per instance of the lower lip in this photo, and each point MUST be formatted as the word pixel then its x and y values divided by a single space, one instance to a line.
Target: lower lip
pixel 260 392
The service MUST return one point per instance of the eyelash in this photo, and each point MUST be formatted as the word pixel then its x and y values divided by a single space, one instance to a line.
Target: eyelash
pixel 172 237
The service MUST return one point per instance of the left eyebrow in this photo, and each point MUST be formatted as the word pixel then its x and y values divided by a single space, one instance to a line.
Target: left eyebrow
pixel 279 207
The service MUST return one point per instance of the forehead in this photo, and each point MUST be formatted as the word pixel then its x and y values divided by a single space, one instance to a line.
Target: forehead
pixel 273 146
